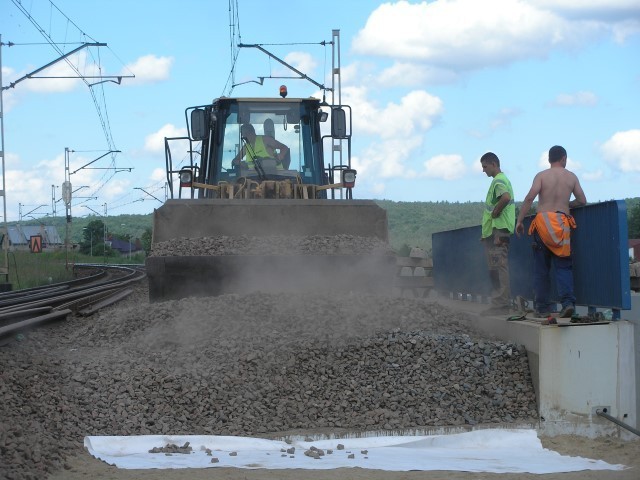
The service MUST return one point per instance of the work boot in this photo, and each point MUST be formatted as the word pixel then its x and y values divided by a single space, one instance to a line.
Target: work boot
pixel 522 304
pixel 567 311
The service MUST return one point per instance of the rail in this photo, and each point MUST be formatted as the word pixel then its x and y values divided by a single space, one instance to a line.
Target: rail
pixel 24 309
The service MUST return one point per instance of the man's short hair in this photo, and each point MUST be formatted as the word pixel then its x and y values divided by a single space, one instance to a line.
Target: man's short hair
pixel 556 153
pixel 247 128
pixel 490 157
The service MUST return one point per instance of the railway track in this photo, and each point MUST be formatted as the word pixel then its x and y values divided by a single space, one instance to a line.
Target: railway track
pixel 95 287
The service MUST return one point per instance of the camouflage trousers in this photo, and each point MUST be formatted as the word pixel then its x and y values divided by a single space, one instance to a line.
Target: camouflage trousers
pixel 498 264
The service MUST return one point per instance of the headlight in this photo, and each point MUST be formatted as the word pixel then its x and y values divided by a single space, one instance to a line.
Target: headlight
pixel 186 178
pixel 349 178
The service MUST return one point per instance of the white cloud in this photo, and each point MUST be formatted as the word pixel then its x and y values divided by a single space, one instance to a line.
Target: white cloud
pixel 476 167
pixel 461 34
pixel 602 10
pixel 116 187
pixel 154 142
pixel 148 69
pixel 301 61
pixel 405 74
pixel 416 111
pixel 572 165
pixel 445 167
pixel 625 29
pixel 504 117
pixel 621 17
pixel 501 119
pixel 9 96
pixel 398 129
pixel 389 159
pixel 622 150
pixel 29 189
pixel 377 188
pixel 543 161
pixel 63 76
pixel 12 160
pixel 593 176
pixel 588 99
pixel 357 73
pixel 440 40
pixel 159 175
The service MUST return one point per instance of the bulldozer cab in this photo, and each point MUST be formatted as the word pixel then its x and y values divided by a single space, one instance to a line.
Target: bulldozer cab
pixel 310 242
pixel 216 138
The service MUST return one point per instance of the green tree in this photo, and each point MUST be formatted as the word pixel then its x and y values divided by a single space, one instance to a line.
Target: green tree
pixel 145 239
pixel 93 238
pixel 634 221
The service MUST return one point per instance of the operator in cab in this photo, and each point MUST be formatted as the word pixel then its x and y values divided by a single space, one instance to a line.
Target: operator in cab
pixel 260 146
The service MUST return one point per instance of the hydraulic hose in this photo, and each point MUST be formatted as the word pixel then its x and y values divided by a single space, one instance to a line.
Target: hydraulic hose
pixel 603 413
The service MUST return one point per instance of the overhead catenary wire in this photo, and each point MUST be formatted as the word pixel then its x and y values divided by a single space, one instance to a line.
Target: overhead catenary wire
pixel 235 39
pixel 236 44
pixel 91 60
pixel 100 103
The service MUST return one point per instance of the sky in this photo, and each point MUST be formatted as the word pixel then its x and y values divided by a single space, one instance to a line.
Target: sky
pixel 432 85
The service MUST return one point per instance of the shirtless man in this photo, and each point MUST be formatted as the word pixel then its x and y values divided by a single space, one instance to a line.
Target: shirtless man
pixel 551 231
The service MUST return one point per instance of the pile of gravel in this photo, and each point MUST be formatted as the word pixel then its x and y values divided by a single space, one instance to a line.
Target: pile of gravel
pixel 272 245
pixel 254 365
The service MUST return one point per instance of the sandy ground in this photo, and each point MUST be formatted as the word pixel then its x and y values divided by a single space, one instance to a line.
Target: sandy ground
pixel 611 450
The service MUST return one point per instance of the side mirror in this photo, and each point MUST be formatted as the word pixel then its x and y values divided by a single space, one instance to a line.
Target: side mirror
pixel 338 123
pixel 323 116
pixel 199 124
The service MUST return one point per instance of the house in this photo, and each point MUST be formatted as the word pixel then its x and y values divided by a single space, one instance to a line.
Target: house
pixel 124 247
pixel 20 235
pixel 634 248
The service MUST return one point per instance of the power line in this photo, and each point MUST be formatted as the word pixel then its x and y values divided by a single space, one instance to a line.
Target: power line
pixel 68 19
pixel 27 44
pixel 103 117
pixel 236 44
pixel 235 38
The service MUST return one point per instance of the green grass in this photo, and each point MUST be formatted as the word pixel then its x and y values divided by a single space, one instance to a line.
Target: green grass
pixel 27 270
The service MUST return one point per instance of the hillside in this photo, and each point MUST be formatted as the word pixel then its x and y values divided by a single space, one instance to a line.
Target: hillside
pixel 119 225
pixel 411 224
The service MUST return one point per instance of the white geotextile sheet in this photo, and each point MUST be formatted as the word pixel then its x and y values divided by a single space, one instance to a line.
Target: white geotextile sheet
pixel 492 450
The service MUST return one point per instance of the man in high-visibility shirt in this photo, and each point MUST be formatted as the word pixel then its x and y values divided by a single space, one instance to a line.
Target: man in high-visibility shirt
pixel 498 223
pixel 551 231
pixel 260 146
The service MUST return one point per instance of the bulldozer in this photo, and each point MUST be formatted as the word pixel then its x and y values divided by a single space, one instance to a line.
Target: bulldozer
pixel 253 197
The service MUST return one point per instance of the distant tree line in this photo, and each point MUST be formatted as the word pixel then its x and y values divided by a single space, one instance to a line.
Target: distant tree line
pixel 633 218
pixel 411 224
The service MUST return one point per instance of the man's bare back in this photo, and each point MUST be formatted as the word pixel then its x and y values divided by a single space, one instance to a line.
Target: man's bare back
pixel 554 188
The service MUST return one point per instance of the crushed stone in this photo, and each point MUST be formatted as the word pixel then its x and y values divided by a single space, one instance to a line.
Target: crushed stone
pixel 251 365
